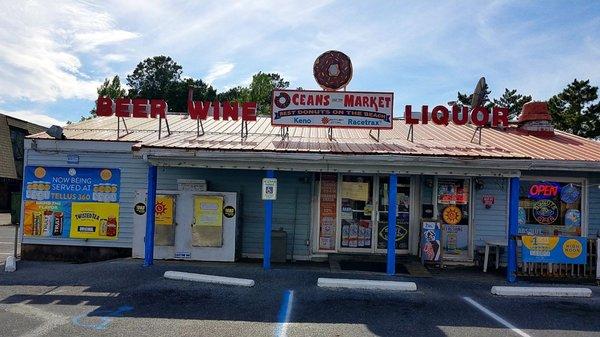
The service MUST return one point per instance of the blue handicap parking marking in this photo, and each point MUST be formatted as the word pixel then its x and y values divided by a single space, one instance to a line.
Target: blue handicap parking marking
pixel 104 321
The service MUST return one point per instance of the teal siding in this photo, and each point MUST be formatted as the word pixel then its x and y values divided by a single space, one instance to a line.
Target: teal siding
pixel 491 222
pixel 291 209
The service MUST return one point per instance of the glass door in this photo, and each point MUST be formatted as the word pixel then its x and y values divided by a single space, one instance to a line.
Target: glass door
pixel 356 216
pixel 454 213
pixel 402 214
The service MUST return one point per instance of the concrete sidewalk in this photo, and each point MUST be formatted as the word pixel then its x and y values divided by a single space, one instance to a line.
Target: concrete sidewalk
pixel 4 219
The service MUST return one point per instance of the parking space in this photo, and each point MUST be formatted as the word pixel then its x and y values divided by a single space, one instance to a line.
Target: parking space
pixel 122 298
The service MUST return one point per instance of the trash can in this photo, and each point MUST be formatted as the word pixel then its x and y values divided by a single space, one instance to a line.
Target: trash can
pixel 15 207
pixel 278 245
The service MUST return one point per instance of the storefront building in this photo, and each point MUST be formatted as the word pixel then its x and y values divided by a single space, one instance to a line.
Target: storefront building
pixel 86 194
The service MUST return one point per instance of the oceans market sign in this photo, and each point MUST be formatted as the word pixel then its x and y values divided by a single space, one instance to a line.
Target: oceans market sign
pixel 341 109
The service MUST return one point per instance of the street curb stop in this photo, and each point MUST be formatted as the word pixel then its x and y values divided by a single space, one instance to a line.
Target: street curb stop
pixel 541 291
pixel 366 284
pixel 11 264
pixel 232 281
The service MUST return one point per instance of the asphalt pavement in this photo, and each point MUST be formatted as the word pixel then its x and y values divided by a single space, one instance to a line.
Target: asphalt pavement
pixel 122 298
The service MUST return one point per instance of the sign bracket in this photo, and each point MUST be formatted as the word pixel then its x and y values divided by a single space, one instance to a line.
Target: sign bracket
pixel 119 127
pixel 244 130
pixel 411 133
pixel 378 134
pixel 477 131
pixel 330 133
pixel 199 126
pixel 160 126
pixel 284 131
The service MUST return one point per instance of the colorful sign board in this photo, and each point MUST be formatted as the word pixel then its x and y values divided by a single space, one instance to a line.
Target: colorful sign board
pixel 336 109
pixel 327 211
pixel 544 190
pixel 431 241
pixel 94 220
pixel 554 249
pixel 70 202
pixel 164 210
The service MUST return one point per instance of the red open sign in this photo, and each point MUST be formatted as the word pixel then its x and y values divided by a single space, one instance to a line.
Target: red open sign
pixel 546 190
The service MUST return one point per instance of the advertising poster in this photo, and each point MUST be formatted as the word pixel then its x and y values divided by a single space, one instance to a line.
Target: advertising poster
pixel 430 241
pixel 94 220
pixel 355 191
pixel 327 211
pixel 342 109
pixel 164 210
pixel 51 194
pixel 208 221
pixel 457 239
pixel 554 249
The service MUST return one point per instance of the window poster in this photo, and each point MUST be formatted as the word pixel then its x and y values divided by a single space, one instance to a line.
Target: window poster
pixel 70 202
pixel 550 208
pixel 327 211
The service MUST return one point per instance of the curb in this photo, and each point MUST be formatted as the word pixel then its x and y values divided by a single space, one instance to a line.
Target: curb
pixel 541 291
pixel 232 281
pixel 365 284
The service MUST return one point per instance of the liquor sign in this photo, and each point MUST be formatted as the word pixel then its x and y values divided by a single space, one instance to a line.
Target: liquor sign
pixel 336 109
pixel 63 202
pixel 554 249
pixel 441 115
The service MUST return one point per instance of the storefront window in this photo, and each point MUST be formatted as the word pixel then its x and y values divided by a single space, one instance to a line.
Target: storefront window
pixel 402 215
pixel 550 208
pixel 453 211
pixel 356 211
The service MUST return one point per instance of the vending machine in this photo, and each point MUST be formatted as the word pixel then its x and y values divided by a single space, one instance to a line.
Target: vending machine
pixel 190 225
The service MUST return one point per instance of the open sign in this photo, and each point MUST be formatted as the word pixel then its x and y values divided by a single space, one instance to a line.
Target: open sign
pixel 544 190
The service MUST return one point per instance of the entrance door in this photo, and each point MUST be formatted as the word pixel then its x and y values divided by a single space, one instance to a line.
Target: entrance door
pixel 356 213
pixel 402 215
pixel 453 209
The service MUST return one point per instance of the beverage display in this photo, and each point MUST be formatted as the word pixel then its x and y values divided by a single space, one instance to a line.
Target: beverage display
pixel 48 223
pixel 103 227
pixel 38 223
pixel 111 226
pixel 57 228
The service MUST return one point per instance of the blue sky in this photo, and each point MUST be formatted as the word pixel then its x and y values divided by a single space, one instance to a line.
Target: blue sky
pixel 53 57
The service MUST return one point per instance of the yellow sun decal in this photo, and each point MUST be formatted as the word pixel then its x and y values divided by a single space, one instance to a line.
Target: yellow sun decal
pixel 39 172
pixel 160 208
pixel 452 215
pixel 105 174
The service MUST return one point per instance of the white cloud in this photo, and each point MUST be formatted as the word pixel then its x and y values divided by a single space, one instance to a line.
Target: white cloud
pixel 217 71
pixel 33 117
pixel 42 46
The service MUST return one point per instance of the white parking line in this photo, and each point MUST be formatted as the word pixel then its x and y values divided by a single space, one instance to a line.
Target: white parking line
pixel 496 317
pixel 285 311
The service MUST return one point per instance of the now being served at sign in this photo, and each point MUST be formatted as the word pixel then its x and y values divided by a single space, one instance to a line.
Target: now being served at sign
pixel 342 109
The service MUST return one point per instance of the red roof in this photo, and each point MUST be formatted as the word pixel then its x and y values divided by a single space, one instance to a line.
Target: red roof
pixel 429 140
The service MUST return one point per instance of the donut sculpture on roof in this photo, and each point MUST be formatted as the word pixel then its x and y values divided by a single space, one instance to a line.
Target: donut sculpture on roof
pixel 333 70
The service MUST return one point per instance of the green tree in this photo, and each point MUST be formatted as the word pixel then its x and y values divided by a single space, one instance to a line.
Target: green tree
pixel 513 101
pixel 177 94
pixel 261 88
pixel 110 88
pixel 575 109
pixel 239 94
pixel 156 78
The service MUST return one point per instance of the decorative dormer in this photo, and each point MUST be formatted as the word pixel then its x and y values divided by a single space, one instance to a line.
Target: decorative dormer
pixel 536 120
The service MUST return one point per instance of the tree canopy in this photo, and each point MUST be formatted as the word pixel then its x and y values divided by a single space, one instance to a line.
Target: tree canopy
pixel 513 101
pixel 576 110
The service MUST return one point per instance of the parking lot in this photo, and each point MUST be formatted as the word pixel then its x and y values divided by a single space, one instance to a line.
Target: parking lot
pixel 121 298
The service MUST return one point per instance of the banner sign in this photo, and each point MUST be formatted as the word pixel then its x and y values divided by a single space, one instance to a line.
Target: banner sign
pixel 336 109
pixel 431 241
pixel 554 249
pixel 164 210
pixel 71 202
